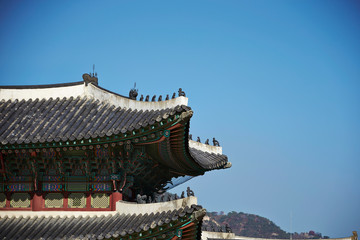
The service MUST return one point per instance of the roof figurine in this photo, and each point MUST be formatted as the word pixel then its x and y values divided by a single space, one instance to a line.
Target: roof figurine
pixel 354 236
pixel 207 142
pixel 91 77
pixel 181 93
pixel 198 139
pixel 141 199
pixel 228 228
pixel 189 192
pixel 216 142
pixel 133 92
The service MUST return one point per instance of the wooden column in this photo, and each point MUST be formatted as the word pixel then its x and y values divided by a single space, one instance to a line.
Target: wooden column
pixel 8 199
pixel 116 196
pixel 88 200
pixel 37 202
pixel 66 195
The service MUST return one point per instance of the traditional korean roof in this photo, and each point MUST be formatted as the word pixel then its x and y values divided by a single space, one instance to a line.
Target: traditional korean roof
pixel 83 114
pixel 55 119
pixel 39 114
pixel 160 224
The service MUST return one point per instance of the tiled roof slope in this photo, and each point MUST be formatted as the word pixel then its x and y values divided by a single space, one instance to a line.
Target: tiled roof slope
pixel 209 160
pixel 78 111
pixel 98 227
pixel 69 118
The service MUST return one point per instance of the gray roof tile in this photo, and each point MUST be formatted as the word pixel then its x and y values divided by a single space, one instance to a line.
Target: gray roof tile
pixel 208 160
pixel 97 227
pixel 34 121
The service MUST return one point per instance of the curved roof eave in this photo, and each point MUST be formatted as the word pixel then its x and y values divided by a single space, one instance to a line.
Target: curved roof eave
pixel 207 156
pixel 187 157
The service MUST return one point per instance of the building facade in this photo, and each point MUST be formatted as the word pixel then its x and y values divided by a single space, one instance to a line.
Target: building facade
pixel 76 150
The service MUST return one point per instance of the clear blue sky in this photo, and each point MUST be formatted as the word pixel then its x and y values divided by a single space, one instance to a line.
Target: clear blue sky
pixel 276 82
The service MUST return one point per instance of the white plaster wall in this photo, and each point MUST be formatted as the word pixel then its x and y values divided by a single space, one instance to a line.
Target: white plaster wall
pixel 204 147
pixel 131 208
pixel 60 214
pixel 122 207
pixel 97 93
pixel 26 94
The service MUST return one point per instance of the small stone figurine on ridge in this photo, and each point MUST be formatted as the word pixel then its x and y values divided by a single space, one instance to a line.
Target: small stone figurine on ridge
pixel 133 93
pixel 181 93
pixel 216 142
pixel 189 192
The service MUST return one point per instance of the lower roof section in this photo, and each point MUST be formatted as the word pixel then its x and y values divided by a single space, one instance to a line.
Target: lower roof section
pixel 148 222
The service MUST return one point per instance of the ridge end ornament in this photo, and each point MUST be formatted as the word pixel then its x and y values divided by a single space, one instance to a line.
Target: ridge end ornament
pixel 91 77
pixel 133 92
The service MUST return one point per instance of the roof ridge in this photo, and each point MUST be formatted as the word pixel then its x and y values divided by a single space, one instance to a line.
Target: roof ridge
pixel 131 207
pixel 41 85
pixel 128 102
pixel 205 147
pixel 80 89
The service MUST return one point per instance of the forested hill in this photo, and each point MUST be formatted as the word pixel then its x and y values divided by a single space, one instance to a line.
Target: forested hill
pixel 250 225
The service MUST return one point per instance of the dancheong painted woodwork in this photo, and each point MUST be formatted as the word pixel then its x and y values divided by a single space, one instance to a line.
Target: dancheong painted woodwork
pixel 78 147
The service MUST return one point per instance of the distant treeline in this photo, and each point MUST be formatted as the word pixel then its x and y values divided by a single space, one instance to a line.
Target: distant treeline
pixel 250 225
